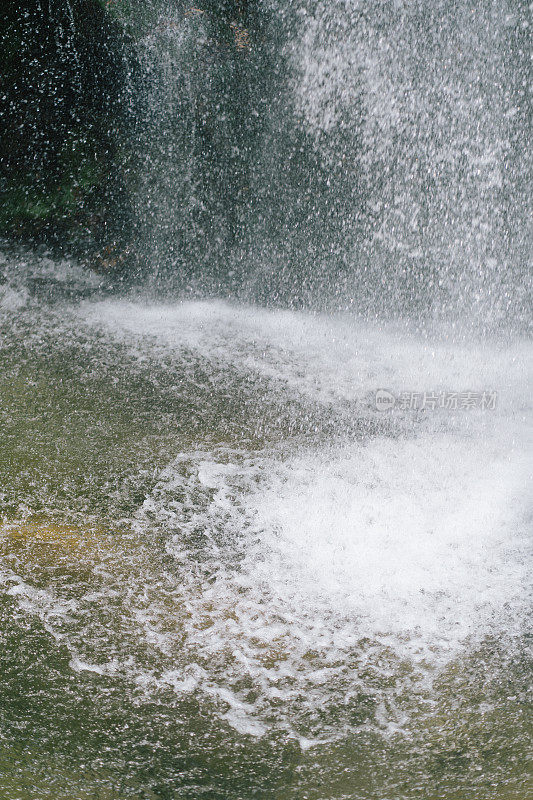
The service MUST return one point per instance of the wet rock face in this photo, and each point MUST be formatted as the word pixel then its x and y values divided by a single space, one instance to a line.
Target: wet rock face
pixel 73 95
pixel 64 76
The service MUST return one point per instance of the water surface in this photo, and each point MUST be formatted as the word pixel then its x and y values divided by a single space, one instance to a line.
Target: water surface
pixel 225 574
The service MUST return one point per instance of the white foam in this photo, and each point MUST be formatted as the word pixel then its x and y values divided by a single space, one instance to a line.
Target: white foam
pixel 407 540
pixel 99 669
pixel 297 571
pixel 11 299
pixel 322 356
pixel 411 548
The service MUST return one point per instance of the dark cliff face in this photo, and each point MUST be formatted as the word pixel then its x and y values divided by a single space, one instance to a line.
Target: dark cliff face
pixel 65 78
pixel 74 105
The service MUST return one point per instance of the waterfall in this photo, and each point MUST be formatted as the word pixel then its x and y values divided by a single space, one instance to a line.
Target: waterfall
pixel 355 155
pixel 266 432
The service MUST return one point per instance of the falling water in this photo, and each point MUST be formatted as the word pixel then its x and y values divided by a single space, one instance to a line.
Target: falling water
pixel 265 518
pixel 360 156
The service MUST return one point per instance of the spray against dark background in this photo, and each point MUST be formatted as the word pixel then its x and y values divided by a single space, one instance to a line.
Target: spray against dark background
pixel 363 156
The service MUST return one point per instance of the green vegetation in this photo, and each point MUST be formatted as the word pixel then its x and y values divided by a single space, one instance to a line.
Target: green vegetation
pixel 64 76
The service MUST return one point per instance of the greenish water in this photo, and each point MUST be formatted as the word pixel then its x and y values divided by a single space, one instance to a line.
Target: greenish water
pixel 155 644
pixel 225 571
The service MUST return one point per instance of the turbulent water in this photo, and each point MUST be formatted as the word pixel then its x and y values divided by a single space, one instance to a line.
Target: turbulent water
pixel 227 574
pixel 266 517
